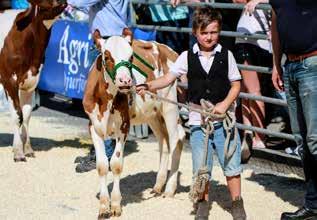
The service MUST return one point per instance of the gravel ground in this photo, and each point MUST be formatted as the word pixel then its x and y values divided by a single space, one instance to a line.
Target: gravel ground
pixel 47 187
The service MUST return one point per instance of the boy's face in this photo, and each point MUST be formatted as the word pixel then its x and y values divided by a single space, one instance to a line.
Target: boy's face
pixel 208 37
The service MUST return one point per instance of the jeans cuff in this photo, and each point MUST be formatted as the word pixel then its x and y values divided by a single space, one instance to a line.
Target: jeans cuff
pixel 234 172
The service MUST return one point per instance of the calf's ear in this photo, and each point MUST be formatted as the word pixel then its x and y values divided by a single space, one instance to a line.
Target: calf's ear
pixel 127 34
pixel 96 36
pixel 25 18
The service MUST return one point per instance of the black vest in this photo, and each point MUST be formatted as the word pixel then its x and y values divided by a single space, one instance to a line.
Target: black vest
pixel 213 86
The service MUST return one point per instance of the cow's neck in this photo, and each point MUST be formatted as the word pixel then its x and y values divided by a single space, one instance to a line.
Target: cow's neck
pixel 41 40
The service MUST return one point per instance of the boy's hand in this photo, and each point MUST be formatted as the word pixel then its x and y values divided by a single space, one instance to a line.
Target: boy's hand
pixel 141 88
pixel 220 108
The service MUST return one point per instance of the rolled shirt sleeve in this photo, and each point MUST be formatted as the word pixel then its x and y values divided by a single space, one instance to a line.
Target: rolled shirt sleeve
pixel 233 71
pixel 180 67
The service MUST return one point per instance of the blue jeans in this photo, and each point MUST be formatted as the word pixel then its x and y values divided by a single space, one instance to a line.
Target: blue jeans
pixel 216 142
pixel 300 81
pixel 109 147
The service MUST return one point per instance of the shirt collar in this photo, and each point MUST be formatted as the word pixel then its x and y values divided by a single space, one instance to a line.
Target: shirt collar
pixel 215 50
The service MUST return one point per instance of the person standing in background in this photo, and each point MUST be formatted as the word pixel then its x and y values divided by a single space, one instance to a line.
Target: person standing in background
pixel 294 33
pixel 167 15
pixel 257 52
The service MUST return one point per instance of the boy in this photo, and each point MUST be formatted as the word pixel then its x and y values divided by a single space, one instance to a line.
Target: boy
pixel 212 75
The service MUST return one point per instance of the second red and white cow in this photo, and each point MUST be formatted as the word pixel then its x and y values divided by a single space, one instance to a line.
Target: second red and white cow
pixel 112 106
pixel 20 61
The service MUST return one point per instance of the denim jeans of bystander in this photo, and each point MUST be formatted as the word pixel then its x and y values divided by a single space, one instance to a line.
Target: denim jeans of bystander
pixel 300 81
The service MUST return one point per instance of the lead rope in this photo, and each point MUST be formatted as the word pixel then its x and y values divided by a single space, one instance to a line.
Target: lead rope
pixel 201 178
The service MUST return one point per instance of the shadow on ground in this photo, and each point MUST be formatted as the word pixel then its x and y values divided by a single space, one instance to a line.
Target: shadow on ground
pixel 133 186
pixel 219 194
pixel 44 144
pixel 289 189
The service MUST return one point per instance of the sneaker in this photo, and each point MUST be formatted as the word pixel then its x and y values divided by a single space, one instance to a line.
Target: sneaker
pixel 86 166
pixel 90 156
pixel 237 210
pixel 292 151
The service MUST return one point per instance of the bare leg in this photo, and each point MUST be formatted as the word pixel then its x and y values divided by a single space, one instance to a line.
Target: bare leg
pixel 234 186
pixel 253 111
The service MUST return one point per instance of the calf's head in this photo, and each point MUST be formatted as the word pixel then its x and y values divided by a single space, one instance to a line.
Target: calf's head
pixel 116 60
pixel 41 9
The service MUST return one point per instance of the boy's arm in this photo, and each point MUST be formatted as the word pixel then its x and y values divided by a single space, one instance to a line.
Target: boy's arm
pixel 161 82
pixel 222 107
pixel 178 69
pixel 158 83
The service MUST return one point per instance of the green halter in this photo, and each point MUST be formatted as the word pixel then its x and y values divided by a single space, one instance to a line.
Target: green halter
pixel 129 65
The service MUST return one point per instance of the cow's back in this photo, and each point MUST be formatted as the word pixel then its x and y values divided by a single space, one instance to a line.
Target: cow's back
pixel 161 57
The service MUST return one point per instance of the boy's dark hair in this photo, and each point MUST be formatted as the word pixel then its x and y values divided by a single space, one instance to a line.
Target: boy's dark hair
pixel 203 16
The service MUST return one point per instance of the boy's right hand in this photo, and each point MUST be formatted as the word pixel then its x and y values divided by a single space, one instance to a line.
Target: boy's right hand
pixel 141 89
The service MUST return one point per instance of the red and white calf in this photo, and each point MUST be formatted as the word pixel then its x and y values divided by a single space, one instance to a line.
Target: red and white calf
pixel 112 105
pixel 20 60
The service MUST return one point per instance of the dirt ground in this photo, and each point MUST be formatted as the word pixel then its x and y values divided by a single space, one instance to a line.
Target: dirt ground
pixel 47 187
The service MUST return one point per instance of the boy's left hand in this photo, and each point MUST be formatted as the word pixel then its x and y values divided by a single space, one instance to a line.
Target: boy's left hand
pixel 220 108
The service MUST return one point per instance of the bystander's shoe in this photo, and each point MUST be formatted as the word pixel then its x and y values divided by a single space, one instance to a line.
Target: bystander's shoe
pixel 292 151
pixel 202 212
pixel 88 163
pixel 301 214
pixel 237 209
pixel 86 166
pixel 90 156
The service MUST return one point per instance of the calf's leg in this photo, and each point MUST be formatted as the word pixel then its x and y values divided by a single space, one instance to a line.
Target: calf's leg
pixel 157 126
pixel 26 105
pixel 102 166
pixel 116 164
pixel 16 120
pixel 176 135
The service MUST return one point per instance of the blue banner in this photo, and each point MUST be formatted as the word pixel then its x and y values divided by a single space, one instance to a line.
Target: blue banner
pixel 67 59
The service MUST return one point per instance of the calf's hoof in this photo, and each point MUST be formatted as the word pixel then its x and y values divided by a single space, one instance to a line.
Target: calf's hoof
pixel 168 195
pixel 30 155
pixel 157 191
pixel 19 159
pixel 103 216
pixel 116 210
